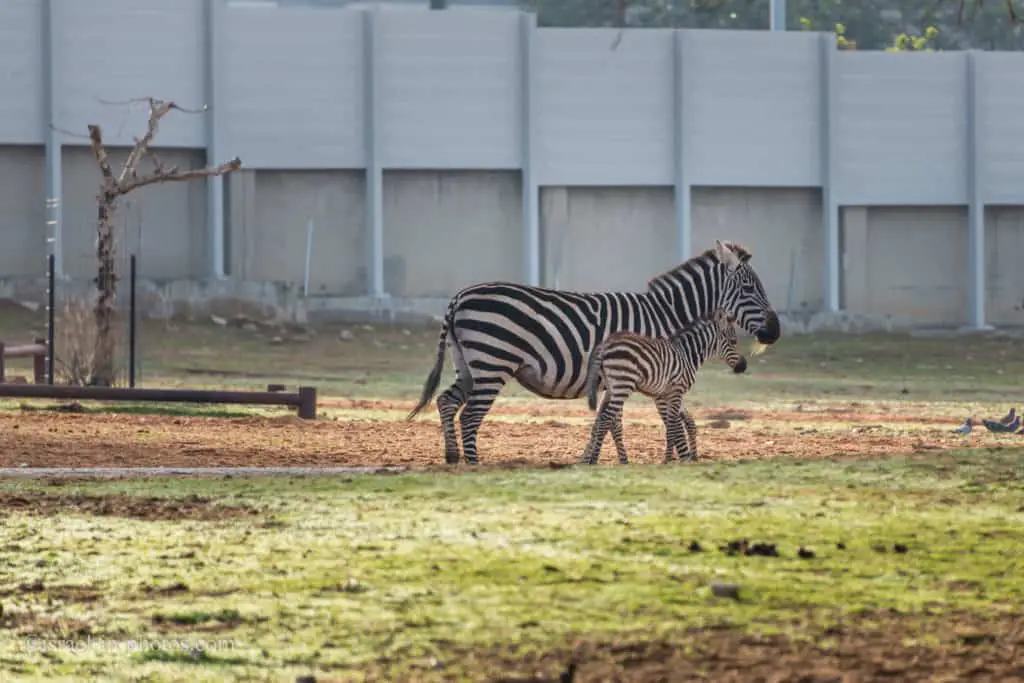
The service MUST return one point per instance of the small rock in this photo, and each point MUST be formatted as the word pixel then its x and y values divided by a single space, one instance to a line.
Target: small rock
pixel 346 335
pixel 719 424
pixel 805 554
pixel 694 547
pixel 841 545
pixel 276 340
pixel 899 548
pixel 217 320
pixel 305 679
pixel 407 333
pixel 725 590
pixel 29 305
pixel 250 327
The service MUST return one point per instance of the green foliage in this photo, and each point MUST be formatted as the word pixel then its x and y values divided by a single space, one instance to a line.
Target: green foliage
pixel 907 43
pixel 903 42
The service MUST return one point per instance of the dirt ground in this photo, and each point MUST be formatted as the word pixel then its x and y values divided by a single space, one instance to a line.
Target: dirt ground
pixel 877 647
pixel 61 439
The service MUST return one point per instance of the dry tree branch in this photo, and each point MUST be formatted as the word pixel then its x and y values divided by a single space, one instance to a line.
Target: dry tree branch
pixel 172 174
pixel 128 179
pixel 100 152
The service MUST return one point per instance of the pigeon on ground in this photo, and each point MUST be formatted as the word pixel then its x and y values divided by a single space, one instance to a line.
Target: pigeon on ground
pixel 965 428
pixel 1001 427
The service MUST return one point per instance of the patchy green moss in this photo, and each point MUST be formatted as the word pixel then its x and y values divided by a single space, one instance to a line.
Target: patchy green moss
pixel 338 574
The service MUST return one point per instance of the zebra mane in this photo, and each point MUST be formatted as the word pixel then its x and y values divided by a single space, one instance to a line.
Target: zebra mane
pixel 669 276
pixel 706 318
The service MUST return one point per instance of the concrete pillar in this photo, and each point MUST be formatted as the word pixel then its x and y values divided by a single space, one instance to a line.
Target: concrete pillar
pixel 531 191
pixel 683 192
pixel 855 283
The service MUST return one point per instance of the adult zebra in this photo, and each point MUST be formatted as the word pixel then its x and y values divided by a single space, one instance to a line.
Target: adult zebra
pixel 543 337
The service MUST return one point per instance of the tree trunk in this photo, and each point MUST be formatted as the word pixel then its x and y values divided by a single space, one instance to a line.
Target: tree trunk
pixel 106 284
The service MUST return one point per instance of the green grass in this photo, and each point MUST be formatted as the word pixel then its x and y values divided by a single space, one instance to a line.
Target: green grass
pixel 399 574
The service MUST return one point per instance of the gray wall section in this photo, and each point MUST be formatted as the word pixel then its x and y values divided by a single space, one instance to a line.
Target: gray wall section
pixel 165 225
pixel 444 230
pixel 268 215
pixel 782 227
pixel 1004 245
pixel 910 262
pixel 23 216
pixel 630 233
pixel 605 238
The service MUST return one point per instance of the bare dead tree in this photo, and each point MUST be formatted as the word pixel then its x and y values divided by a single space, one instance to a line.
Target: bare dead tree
pixel 115 186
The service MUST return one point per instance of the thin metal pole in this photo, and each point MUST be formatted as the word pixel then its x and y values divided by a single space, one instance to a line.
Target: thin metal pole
pixel 131 324
pixel 50 305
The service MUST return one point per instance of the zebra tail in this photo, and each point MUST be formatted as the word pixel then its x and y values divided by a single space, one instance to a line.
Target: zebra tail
pixel 434 378
pixel 594 376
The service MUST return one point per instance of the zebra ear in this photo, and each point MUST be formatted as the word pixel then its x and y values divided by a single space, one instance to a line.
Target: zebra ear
pixel 726 255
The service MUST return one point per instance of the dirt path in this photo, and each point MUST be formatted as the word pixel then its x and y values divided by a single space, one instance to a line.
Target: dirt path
pixel 46 439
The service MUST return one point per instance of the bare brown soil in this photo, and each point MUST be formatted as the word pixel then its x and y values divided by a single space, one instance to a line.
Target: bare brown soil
pixel 59 439
pixel 890 648
pixel 117 505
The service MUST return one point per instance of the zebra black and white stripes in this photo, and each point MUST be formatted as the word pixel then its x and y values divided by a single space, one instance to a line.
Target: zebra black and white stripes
pixel 663 369
pixel 542 338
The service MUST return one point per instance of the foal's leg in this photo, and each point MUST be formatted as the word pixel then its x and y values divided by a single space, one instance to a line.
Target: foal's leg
pixel 668 409
pixel 691 435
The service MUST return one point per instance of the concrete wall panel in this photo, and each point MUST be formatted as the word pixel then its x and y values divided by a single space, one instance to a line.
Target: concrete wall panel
pixel 108 53
pixel 893 273
pixel 23 218
pixel 21 83
pixel 1004 253
pixel 268 217
pixel 753 98
pixel 781 227
pixel 444 230
pixel 293 87
pixel 606 238
pixel 450 89
pixel 165 225
pixel 1000 87
pixel 901 133
pixel 604 107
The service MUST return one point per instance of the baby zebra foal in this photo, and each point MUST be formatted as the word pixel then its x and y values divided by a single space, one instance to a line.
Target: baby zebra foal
pixel 664 369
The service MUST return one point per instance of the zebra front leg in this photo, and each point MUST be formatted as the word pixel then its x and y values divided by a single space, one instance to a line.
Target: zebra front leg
pixel 691 435
pixel 478 403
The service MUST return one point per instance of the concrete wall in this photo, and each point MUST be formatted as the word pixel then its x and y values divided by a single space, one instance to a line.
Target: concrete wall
pixel 165 225
pixel 268 217
pixel 606 238
pixel 781 226
pixel 903 261
pixel 463 113
pixel 23 229
pixel 444 230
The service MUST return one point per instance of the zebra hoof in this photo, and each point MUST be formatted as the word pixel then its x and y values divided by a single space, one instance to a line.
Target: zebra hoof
pixel 472 461
pixel 692 457
pixel 451 458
